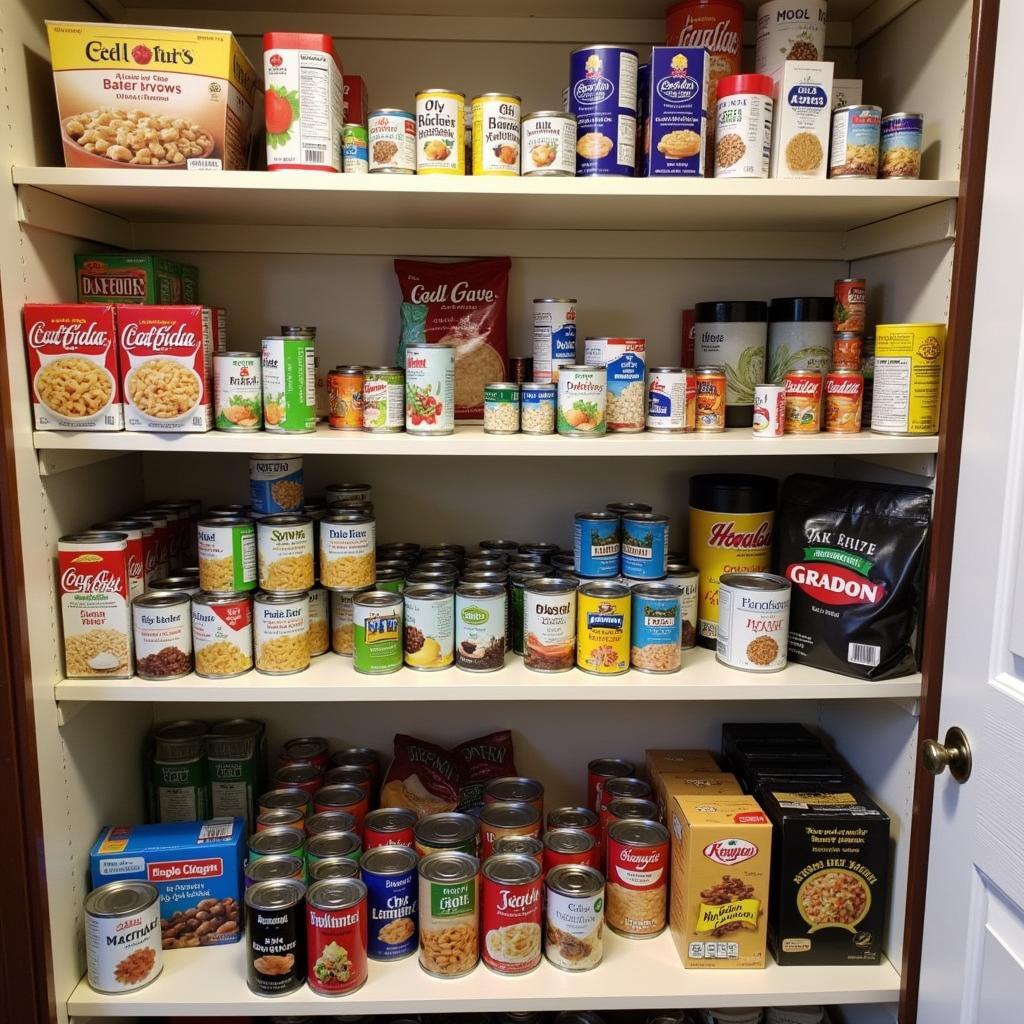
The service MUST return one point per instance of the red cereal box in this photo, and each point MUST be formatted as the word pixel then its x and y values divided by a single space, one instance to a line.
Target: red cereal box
pixel 73 366
pixel 166 367
pixel 356 103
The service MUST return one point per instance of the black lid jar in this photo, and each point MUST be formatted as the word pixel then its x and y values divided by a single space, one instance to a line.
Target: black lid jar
pixel 799 336
pixel 734 335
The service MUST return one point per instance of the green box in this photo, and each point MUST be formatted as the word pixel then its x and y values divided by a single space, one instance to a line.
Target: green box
pixel 127 278
pixel 189 284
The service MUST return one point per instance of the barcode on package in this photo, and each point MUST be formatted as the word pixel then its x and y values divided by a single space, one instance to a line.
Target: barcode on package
pixel 316 154
pixel 216 828
pixel 203 164
pixel 864 654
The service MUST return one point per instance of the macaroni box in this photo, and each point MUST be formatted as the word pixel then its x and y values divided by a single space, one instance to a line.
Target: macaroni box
pixel 127 278
pixel 73 366
pixel 196 867
pixel 676 116
pixel 803 119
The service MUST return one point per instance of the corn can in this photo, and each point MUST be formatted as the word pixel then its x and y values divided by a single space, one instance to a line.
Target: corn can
pixel 908 378
pixel 602 627
pixel 496 134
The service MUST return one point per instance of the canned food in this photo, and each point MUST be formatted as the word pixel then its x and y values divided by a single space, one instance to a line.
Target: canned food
pixel 644 546
pixel 709 400
pixel 625 361
pixel 554 338
pixel 496 134
pixel 549 624
pixel 518 578
pixel 582 398
pixel 343 797
pixel 638 863
pixel 855 141
pixel 305 750
pixel 440 132
pixel 319 612
pixel 286 796
pixel 520 369
pixel 341 623
pixel 389 874
pixel 289 384
pixel 907 378
pixel 753 621
pixel 538 403
pixel 281 632
pixel 333 844
pixel 123 944
pixel 349 775
pixel 671 399
pixel 549 144
pixel 501 408
pixel 516 790
pixel 139 547
pixel 844 401
pixel 307 777
pixel 377 632
pixel 621 788
pixel 277 842
pixel 347 551
pixel 178 784
pixel 574 917
pixel 355 154
pixel 570 846
pixel 285 548
pixel 333 820
pixel 389 826
pixel 596 544
pixel 336 936
pixel 429 634
pixel 275 936
pixel 391 136
pixel 850 305
pixel 275 484
pixel 333 867
pixel 162 625
pixel 345 398
pixel 585 819
pixel 447 831
pixel 803 401
pixel 656 617
pixel 449 913
pixel 847 350
pixel 525 846
pixel 624 807
pixel 281 817
pixel 342 492
pixel 506 819
pixel 687 579
pixel 308 332
pixel 383 399
pixel 769 410
pixel 235 754
pixel 510 926
pixel 183 584
pixel 480 626
pixel 274 868
pixel 227 555
pixel 237 392
pixel 430 389
pixel 900 148
pixel 602 627
pixel 602 96
pixel 599 772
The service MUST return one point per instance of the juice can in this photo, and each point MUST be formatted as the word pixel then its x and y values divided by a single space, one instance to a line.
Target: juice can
pixel 289 385
pixel 440 132
pixel 496 134
pixel 345 398
pixel 908 378
pixel 602 627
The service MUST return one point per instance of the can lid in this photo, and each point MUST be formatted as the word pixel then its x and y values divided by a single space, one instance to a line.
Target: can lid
pixel 449 866
pixel 514 789
pixel 390 819
pixel 280 839
pixel 275 867
pixel 733 492
pixel 275 894
pixel 333 867
pixel 801 309
pixel 627 787
pixel 575 880
pixel 573 817
pixel 568 840
pixel 611 767
pixel 637 832
pixel 336 893
pixel 333 844
pixel 511 868
pixel 448 828
pixel 388 860
pixel 509 815
pixel 115 899
pixel 551 113
pixel 330 821
pixel 737 311
pixel 161 599
pixel 732 85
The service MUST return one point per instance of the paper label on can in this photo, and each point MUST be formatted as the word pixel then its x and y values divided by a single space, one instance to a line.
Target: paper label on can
pixel 496 135
pixel 740 348
pixel 289 385
pixel 554 338
pixel 511 926
pixel 124 953
pixel 391 901
pixel 430 389
pixel 440 133
pixel 429 632
pixel 549 146
pixel 576 925
pixel 336 942
pixel 602 634
pixel 377 638
pixel 753 628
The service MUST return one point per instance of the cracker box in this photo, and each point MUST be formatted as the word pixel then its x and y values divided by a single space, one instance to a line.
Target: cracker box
pixel 355 101
pixel 721 861
pixel 142 96
pixel 189 284
pixel 803 119
pixel 709 784
pixel 166 355
pixel 73 366
pixel 127 278
pixel 196 867
pixel 676 116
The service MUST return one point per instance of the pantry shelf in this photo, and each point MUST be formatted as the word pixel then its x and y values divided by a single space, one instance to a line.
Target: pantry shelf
pixel 331 678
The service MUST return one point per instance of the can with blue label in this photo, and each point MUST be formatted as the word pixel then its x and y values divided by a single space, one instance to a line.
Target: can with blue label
pixel 602 627
pixel 655 614
pixel 538 402
pixel 275 484
pixel 900 153
pixel 674 131
pixel 554 337
pixel 596 544
pixel 389 874
pixel 644 546
pixel 602 95
pixel 625 360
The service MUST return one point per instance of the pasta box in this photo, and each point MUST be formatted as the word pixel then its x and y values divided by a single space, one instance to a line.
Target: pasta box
pixel 127 278
pixel 676 115
pixel 196 867
pixel 830 873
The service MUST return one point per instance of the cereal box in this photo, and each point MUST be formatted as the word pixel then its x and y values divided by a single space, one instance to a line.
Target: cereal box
pixel 721 860
pixel 73 367
pixel 189 284
pixel 142 96
pixel 676 115
pixel 356 103
pixel 166 357
pixel 127 278
pixel 803 119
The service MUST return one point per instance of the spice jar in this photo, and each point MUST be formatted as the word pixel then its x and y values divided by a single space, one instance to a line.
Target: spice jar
pixel 743 133
pixel 799 336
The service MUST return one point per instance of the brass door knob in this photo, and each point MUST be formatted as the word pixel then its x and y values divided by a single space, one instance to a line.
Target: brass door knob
pixel 954 754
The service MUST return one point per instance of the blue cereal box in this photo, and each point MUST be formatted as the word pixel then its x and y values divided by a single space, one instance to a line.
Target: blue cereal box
pixel 676 121
pixel 196 867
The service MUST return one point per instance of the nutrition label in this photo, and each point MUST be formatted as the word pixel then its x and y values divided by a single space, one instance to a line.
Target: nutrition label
pixel 891 402
pixel 714 950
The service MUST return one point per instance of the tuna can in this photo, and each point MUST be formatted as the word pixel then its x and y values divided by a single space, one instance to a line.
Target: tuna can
pixel 274 868
pixel 440 132
pixel 644 546
pixel 333 867
pixel 900 149
pixel 506 819
pixel 574 917
pixel 449 914
pixel 275 484
pixel 602 627
pixel 709 400
pixel 554 338
pixel 518 578
pixel 671 399
pixel 347 551
pixel 227 555
pixel 637 872
pixel 515 790
pixel 355 155
pixel 510 913
pixel 377 632
pixel 389 826
pixel 391 137
pixel 429 635
pixel 656 616
pixel 446 831
pixel 284 544
pixel 281 632
pixel 570 846
pixel 524 846
pixel 480 626
pixel 549 624
pixel 625 360
pixel 336 936
pixel 582 401
pixel 602 96
pixel 430 389
pixel 383 400
pixel 769 410
pixel 345 398
pixel 685 577
pixel 123 942
pixel 162 627
pixel 538 402
pixel 496 134
pixel 389 874
pixel 549 144
pixel 237 392
pixel 289 385
pixel 275 936
pixel 856 132
pixel 907 378
pixel 753 621
pixel 333 844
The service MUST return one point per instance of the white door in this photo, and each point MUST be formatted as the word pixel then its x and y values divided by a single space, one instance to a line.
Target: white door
pixel 973 956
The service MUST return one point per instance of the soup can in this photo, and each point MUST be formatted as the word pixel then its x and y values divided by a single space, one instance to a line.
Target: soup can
pixel 625 362
pixel 430 389
pixel 753 621
pixel 349 775
pixel 549 624
pixel 237 392
pixel 656 617
pixel 336 936
pixel 570 846
pixel 275 936
pixel 844 401
pixel 602 96
pixel 281 633
pixel 440 132
pixel 586 818
pixel 447 830
pixel 506 819
pixel 123 945
pixel 510 913
pixel 496 119
pixel 480 626
pixel 709 401
pixel 289 384
pixel 907 378
pixel 391 138
pixel 449 914
pixel 803 390
pixel 686 578
pixel 286 796
pixel 602 627
pixel 306 777
pixel 389 826
pixel 389 874
pixel 549 144
pixel 345 398
pixel 383 399
pixel 637 886
pixel 582 398
pixel 574 917
pixel 377 631
pixel 847 350
pixel 644 546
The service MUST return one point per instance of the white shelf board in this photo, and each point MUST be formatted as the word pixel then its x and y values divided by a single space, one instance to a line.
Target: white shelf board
pixel 647 975
pixel 331 678
pixel 295 198
pixel 471 440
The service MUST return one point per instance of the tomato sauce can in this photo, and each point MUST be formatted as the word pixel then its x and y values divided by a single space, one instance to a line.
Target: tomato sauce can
pixel 389 826
pixel 599 771
pixel 803 401
pixel 570 846
pixel 844 401
pixel 336 936
pixel 602 627
pixel 637 883
pixel 510 925
pixel 345 398
pixel 389 874
pixel 506 819
pixel 847 350
pixel 709 403
pixel 850 305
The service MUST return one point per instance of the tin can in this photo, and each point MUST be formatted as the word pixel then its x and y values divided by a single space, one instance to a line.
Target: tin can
pixel 803 401
pixel 389 826
pixel 162 627
pixel 907 378
pixel 349 775
pixel 178 774
pixel 656 617
pixel 554 338
pixel 574 917
pixel 345 398
pixel 496 134
pixel 281 817
pixel 383 399
pixel 343 797
pixel 276 484
pixel 308 332
pixel 355 149
pixel 275 936
pixel 274 868
pixel 585 819
pixel 624 360
pixel 180 584
pixel 510 925
pixel 289 384
pixel 333 844
pixel 336 936
pixel 234 755
pixel 602 627
pixel 520 369
pixel 139 548
pixel 389 579
pixel 307 777
pixel 753 621
pixel 549 624
pixel 280 632
pixel 319 637
pixel 237 392
pixel 284 544
pixel 449 913
pixel 480 626
pixel 377 632
pixel 855 141
pixel 440 132
pixel 157 550
pixel 638 864
pixel 305 750
pixel 506 819
pixel 769 410
pixel 123 944
pixel 570 846
pixel 285 796
pixel 501 408
pixel 538 403
pixel 518 579
pixel 429 635
pixel 227 555
pixel 620 788
pixel 348 547
pixel 516 790
pixel 644 546
pixel 333 867
pixel 447 831
pixel 276 842
pixel 686 578
pixel 850 305
pixel 844 401
pixel 389 874
pixel 549 144
pixel 671 399
pixel 602 96
pixel 847 350
pixel 582 400
pixel 709 400
pixel 524 846
pixel 430 389
pixel 625 807
pixel 900 148
pixel 341 623
pixel 332 820
pixel 391 135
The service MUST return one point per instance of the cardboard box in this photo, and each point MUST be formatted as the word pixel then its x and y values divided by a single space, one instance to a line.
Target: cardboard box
pixel 675 112
pixel 127 278
pixel 803 119
pixel 355 99
pixel 189 284
pixel 709 784
pixel 784 734
pixel 666 760
pixel 721 861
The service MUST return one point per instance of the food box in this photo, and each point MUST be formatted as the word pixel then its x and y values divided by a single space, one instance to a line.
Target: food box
pixel 783 734
pixel 830 870
pixel 709 784
pixel 166 356
pixel 803 119
pixel 196 867
pixel 721 860
pixel 142 96
pixel 73 366
pixel 127 278
pixel 658 761
pixel 355 101
pixel 675 112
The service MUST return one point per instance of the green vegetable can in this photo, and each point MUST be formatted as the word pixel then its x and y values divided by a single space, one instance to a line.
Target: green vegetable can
pixel 383 399
pixel 377 631
pixel 289 384
pixel 582 401
pixel 237 392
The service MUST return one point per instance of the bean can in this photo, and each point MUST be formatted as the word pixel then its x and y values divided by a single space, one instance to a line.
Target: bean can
pixel 430 389
pixel 554 338
pixel 506 819
pixel 449 914
pixel 644 546
pixel 907 378
pixel 162 624
pixel 389 826
pixel 496 134
pixel 511 913
pixel 289 384
pixel 501 408
pixel 345 398
pixel 803 401
pixel 900 149
pixel 549 624
pixel 753 621
pixel 275 929
pixel 392 141
pixel 276 484
pixel 440 132
pixel 389 874
pixel 123 943
pixel 227 554
pixel 638 864
pixel 336 936
pixel 549 144
pixel 284 545
pixel 624 360
pixel 671 399
pixel 281 632
pixel 347 551
pixel 582 400
pixel 574 917
pixel 237 392
pixel 602 627
pixel 480 626
pixel 383 400
pixel 844 401
pixel 538 403
pixel 709 402
pixel 429 635
pixel 377 632
pixel 656 616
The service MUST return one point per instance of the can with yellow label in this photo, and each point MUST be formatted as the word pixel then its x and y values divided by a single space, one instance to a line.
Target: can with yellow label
pixel 496 134
pixel 440 132
pixel 908 378
pixel 602 627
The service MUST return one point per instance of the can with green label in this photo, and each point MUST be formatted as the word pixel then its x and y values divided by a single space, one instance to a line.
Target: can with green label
pixel 179 783
pixel 227 554
pixel 383 399
pixel 234 757
pixel 449 913
pixel 377 623
pixel 289 384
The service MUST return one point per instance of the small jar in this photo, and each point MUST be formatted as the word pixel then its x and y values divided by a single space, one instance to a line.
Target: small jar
pixel 501 408
pixel 743 136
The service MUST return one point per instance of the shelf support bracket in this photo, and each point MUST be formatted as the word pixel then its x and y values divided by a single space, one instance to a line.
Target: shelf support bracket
pixel 69 710
pixel 911 705
pixel 60 460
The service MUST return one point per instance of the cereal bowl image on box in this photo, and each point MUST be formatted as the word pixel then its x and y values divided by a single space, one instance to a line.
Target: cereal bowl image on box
pixel 158 387
pixel 60 374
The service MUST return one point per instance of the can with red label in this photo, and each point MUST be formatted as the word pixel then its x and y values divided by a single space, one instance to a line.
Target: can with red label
pixel 389 826
pixel 599 771
pixel 803 401
pixel 281 817
pixel 511 914
pixel 618 789
pixel 769 410
pixel 343 798
pixel 850 304
pixel 515 790
pixel 506 819
pixel 636 893
pixel 330 821
pixel 847 350
pixel 306 777
pixel 844 401
pixel 362 756
pixel 285 796
pixel 584 818
pixel 570 846
pixel 336 936
pixel 305 750
pixel 348 775
pixel 526 846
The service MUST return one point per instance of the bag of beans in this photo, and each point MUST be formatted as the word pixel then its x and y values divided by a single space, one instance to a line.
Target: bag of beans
pixel 854 552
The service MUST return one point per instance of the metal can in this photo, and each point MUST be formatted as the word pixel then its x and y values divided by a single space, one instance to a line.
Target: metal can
pixel 333 867
pixel 355 149
pixel 276 484
pixel 709 400
pixel 139 548
pixel 516 790
pixel 510 925
pixel 308 332
pixel 525 846
pixel 274 868
pixel 753 621
pixel 506 819
pixel 286 796
pixel 123 944
pixel 341 623
pixel 391 135
pixel 671 399
pixel 644 546
pixel 284 544
pixel 162 627
pixel 803 401
pixel 289 384
pixel 549 144
pixel 345 398
pixel 275 936
pixel 517 581
pixel 440 132
pixel 237 392
pixel 447 831
pixel 900 148
pixel 336 936
pixel 549 624
pixel 554 338
pixel 227 555
pixel 333 844
pixel 281 817
pixel 656 616
pixel 305 750
pixel 570 846
pixel 383 399
pixel 276 842
pixel 389 874
pixel 280 632
pixel 538 402
pixel 178 783
pixel 855 141
pixel 332 820
pixel 377 632
pixel 847 350
pixel 769 410
pixel 496 121
pixel 849 305
pixel 602 627
pixel 347 551
pixel 907 378
pixel 585 819
pixel 582 401
pixel 307 777
pixel 602 96
pixel 574 917
pixel 596 544
pixel 624 807
pixel 480 626
pixel 319 612
pixel 686 578
pixel 624 360
pixel 501 408
pixel 234 755
pixel 844 401
pixel 430 389
pixel 181 584
pixel 621 788
pixel 449 914
pixel 638 864
pixel 349 775
pixel 389 826
pixel 429 634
